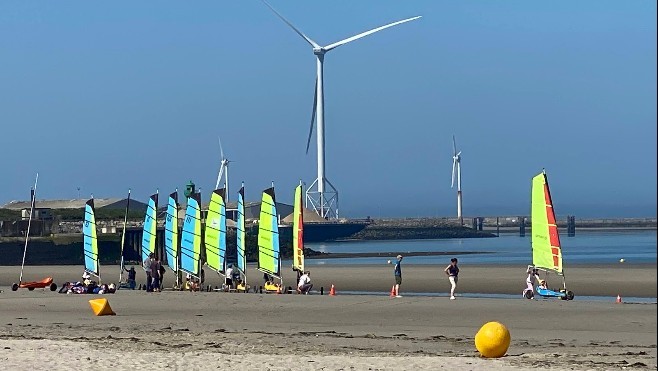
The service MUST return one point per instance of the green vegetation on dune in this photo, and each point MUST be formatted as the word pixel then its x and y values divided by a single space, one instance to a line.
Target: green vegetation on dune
pixel 101 214
pixel 68 215
pixel 8 214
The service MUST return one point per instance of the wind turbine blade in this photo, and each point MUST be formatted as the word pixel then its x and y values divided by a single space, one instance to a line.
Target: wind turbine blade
pixel 315 106
pixel 300 33
pixel 221 150
pixel 454 146
pixel 364 34
pixel 452 183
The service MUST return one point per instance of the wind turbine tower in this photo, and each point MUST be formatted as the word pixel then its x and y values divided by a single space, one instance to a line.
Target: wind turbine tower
pixel 223 170
pixel 321 194
pixel 456 168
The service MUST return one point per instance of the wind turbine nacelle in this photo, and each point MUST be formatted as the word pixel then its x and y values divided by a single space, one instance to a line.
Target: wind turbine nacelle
pixel 318 51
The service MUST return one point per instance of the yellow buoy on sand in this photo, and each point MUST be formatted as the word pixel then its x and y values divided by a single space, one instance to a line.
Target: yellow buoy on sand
pixel 101 307
pixel 492 341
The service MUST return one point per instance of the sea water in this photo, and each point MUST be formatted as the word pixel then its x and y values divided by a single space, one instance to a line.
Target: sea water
pixel 587 247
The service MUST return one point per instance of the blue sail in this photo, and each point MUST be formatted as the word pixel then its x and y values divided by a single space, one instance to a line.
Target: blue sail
pixel 190 245
pixel 241 232
pixel 171 232
pixel 150 225
pixel 90 241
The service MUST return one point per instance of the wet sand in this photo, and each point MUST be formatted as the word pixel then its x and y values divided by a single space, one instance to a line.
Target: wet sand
pixel 203 330
pixel 628 279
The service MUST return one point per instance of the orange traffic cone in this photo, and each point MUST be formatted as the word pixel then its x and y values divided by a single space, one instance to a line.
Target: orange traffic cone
pixel 618 299
pixel 392 291
pixel 332 292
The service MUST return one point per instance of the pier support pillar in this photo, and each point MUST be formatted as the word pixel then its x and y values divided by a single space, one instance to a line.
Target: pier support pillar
pixel 521 226
pixel 571 226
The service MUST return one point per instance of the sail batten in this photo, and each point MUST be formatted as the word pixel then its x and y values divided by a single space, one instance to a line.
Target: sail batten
pixel 190 245
pixel 546 247
pixel 269 259
pixel 150 227
pixel 298 231
pixel 171 232
pixel 92 264
pixel 215 231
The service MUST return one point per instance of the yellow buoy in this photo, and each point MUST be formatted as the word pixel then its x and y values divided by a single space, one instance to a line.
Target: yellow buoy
pixel 492 341
pixel 101 307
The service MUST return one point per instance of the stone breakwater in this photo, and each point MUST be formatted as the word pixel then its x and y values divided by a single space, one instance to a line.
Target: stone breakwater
pixel 417 228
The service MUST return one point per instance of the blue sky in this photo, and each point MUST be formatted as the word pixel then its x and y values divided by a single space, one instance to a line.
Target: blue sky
pixel 106 96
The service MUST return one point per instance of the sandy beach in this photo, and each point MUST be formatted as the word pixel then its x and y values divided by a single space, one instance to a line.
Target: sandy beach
pixel 183 330
pixel 633 280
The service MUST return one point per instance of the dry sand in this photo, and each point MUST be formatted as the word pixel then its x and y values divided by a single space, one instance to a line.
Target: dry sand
pixel 183 330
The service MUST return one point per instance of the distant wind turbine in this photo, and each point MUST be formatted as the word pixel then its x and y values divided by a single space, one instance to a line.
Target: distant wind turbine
pixel 325 201
pixel 456 168
pixel 223 169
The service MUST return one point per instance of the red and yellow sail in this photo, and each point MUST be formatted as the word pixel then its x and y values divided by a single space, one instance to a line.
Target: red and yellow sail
pixel 546 248
pixel 298 231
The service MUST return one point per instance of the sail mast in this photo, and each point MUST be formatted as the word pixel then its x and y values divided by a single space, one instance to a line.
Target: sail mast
pixel 33 194
pixel 123 238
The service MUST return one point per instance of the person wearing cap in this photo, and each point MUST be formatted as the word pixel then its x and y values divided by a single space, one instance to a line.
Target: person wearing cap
pixel 305 285
pixel 398 276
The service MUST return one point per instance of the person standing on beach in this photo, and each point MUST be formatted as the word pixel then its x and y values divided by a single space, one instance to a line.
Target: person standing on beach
pixel 155 273
pixel 162 270
pixel 398 276
pixel 228 280
pixel 453 272
pixel 146 264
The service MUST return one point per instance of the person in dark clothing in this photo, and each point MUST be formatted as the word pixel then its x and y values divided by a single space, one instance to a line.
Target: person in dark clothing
pixel 131 277
pixel 453 272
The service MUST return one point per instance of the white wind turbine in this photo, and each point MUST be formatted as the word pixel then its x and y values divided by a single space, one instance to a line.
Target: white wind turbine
pixel 223 170
pixel 323 199
pixel 456 167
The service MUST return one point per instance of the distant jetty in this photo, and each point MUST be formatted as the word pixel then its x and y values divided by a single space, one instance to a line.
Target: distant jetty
pixel 417 228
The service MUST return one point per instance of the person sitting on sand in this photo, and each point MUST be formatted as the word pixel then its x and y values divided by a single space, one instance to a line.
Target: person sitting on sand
pixel 305 285
pixel 131 277
pixel 268 279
